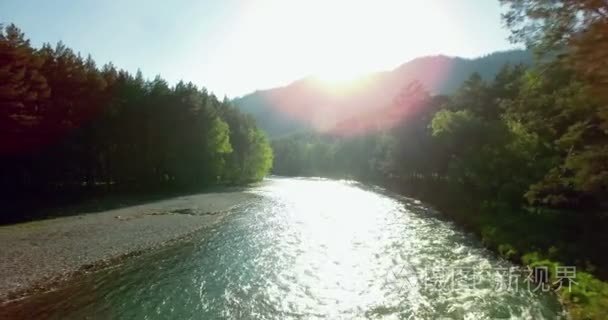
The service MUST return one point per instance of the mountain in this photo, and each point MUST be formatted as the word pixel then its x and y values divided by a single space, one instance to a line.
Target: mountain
pixel 311 104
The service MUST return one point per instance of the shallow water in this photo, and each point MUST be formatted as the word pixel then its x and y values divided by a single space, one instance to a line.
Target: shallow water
pixel 310 249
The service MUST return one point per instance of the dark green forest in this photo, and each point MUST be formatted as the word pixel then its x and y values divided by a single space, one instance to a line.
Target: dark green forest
pixel 69 127
pixel 521 160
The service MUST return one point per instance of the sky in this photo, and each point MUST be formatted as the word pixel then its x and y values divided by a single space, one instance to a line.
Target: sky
pixel 233 47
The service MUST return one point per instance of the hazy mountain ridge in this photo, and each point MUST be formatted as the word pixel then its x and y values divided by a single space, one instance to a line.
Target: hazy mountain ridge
pixel 309 103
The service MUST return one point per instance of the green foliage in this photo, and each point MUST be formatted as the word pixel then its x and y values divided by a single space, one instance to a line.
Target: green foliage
pixel 260 159
pixel 521 160
pixel 451 123
pixel 314 155
pixel 575 30
pixel 588 299
pixel 252 157
pixel 70 126
pixel 507 251
pixel 568 103
pixel 219 137
pixel 23 89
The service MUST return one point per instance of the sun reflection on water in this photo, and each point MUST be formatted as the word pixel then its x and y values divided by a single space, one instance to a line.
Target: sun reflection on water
pixel 306 249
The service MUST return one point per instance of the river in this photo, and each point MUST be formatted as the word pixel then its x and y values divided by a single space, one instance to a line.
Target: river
pixel 311 249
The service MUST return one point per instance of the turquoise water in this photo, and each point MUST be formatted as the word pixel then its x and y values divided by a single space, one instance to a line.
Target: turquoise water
pixel 309 249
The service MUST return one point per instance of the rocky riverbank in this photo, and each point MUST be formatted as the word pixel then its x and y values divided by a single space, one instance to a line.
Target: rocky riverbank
pixel 37 256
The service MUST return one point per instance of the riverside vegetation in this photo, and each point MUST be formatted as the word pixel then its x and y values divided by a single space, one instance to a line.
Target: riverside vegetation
pixel 522 161
pixel 71 129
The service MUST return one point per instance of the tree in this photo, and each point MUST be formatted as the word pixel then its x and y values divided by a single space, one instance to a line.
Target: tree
pixel 575 29
pixel 23 89
pixel 69 128
pixel 218 144
pixel 567 104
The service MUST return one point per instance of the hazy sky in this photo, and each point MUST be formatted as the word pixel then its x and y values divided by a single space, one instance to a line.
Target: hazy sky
pixel 233 47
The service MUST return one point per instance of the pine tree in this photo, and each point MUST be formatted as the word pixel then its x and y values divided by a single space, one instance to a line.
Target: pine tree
pixel 22 90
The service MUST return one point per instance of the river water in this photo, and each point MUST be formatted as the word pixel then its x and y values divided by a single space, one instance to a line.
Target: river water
pixel 311 249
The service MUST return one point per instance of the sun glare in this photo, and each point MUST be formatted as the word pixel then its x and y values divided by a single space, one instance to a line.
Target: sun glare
pixel 338 77
pixel 335 40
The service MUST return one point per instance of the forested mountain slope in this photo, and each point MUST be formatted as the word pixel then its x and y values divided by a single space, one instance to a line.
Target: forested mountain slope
pixel 310 103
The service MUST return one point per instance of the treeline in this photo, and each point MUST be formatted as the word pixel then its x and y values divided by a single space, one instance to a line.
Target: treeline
pixel 530 137
pixel 521 160
pixel 68 125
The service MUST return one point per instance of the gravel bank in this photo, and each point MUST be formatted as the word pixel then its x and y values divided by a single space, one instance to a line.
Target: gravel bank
pixel 39 253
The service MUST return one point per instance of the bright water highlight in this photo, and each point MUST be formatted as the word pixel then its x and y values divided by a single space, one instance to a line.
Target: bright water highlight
pixel 307 249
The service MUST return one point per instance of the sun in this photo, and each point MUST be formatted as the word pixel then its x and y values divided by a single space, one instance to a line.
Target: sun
pixel 337 41
pixel 339 73
pixel 338 76
pixel 344 81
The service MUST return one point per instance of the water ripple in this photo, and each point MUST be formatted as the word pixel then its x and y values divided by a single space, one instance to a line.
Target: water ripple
pixel 308 249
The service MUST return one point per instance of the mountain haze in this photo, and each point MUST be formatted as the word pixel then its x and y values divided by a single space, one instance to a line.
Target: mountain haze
pixel 311 103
